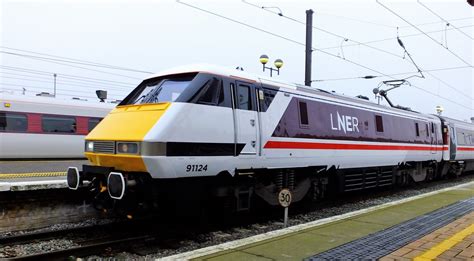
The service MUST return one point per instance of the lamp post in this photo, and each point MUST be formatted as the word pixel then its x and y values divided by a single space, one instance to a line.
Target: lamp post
pixel 439 109
pixel 278 64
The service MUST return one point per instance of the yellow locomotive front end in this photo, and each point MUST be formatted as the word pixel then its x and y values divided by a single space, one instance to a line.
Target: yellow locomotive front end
pixel 117 141
pixel 116 146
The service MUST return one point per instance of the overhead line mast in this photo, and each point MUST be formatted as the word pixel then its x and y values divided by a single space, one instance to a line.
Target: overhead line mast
pixel 309 49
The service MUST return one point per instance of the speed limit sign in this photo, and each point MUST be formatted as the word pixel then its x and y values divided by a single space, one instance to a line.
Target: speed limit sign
pixel 284 198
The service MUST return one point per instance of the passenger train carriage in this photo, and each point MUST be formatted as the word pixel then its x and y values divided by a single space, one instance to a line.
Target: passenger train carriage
pixel 233 137
pixel 45 127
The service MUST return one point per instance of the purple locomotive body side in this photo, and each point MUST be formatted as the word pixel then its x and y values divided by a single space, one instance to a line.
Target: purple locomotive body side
pixel 337 122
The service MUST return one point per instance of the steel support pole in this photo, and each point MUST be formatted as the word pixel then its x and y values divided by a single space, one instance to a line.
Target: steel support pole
pixel 55 85
pixel 309 47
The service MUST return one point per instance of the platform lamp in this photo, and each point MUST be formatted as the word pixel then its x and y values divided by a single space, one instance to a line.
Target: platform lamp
pixel 101 94
pixel 439 109
pixel 278 64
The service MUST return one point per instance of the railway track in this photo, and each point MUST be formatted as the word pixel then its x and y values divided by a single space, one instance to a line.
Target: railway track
pixel 87 240
pixel 44 235
pixel 158 238
pixel 89 248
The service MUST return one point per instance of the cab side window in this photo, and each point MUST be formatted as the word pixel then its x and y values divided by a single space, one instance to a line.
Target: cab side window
pixel 211 93
pixel 268 95
pixel 244 101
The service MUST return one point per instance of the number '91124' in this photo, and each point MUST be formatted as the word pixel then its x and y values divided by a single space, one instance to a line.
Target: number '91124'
pixel 196 168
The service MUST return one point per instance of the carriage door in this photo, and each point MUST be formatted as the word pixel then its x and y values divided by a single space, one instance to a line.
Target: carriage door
pixel 452 144
pixel 434 138
pixel 246 119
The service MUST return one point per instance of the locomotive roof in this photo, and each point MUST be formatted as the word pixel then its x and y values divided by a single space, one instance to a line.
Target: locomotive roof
pixel 234 73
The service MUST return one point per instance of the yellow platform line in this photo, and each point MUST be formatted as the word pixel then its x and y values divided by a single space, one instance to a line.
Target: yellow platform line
pixel 446 244
pixel 32 174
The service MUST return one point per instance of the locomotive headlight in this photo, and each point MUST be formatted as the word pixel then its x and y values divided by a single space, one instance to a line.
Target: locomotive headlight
pixel 89 146
pixel 127 147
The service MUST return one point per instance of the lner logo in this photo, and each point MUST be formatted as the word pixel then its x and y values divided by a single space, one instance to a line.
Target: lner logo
pixel 344 123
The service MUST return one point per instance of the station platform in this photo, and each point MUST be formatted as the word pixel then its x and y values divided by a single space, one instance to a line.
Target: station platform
pixel 35 175
pixel 437 225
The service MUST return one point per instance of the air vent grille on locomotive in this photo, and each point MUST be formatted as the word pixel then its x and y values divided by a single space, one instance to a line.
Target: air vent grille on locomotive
pixel 104 147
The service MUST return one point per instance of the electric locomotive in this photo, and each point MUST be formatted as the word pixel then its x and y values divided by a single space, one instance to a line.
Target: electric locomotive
pixel 194 135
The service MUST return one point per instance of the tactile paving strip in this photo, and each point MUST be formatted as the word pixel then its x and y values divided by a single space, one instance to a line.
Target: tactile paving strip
pixel 388 240
pixel 40 168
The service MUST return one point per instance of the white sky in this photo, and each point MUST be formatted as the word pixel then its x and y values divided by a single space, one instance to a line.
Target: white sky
pixel 156 35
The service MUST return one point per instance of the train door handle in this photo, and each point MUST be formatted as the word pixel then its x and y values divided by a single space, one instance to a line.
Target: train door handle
pixel 252 122
pixel 253 143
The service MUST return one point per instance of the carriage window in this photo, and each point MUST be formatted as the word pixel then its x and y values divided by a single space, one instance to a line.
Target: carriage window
pixel 60 124
pixel 432 127
pixel 13 122
pixel 378 123
pixel 427 131
pixel 461 140
pixel 243 98
pixel 303 113
pixel 211 92
pixel 417 130
pixel 92 123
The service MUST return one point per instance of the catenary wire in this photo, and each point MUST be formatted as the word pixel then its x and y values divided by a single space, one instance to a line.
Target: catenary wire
pixel 58 93
pixel 77 61
pixel 447 22
pixel 67 80
pixel 465 95
pixel 65 64
pixel 388 26
pixel 277 35
pixel 437 22
pixel 394 74
pixel 345 38
pixel 32 71
pixel 418 29
pixel 392 38
pixel 296 42
pixel 439 96
pixel 323 30
pixel 64 83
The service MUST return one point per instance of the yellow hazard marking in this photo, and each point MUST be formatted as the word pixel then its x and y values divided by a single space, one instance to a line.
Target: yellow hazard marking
pixel 446 244
pixel 120 162
pixel 32 174
pixel 125 123
pixel 41 161
pixel 128 123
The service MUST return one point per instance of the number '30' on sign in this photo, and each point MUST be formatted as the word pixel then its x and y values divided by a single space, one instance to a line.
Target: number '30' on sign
pixel 284 197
